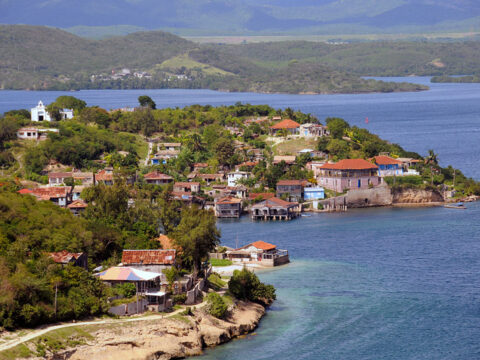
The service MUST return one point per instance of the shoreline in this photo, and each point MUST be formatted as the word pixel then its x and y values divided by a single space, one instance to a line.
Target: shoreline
pixel 174 336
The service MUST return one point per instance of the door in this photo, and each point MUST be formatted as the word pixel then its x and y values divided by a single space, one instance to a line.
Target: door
pixel 359 183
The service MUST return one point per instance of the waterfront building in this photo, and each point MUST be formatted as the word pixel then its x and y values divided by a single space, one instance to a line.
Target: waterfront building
pixel 275 209
pixel 349 174
pixel 292 190
pixel 228 207
pixel 313 193
pixel 259 252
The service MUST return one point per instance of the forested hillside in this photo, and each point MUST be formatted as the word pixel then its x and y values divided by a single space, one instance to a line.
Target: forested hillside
pixel 45 58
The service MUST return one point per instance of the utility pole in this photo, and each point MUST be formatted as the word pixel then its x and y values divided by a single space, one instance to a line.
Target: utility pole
pixel 56 292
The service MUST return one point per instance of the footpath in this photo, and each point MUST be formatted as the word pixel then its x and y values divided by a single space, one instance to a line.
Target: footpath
pixel 20 337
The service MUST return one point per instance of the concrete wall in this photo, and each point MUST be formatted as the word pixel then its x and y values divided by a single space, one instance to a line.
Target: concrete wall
pixel 129 309
pixel 195 294
pixel 377 196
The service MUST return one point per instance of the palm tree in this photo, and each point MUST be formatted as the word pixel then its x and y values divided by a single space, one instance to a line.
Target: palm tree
pixel 432 158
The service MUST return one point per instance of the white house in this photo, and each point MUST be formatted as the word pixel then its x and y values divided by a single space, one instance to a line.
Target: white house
pixel 233 177
pixel 39 113
pixel 33 133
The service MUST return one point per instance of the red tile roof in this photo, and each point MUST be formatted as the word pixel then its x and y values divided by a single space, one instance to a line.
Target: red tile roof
pixel 148 257
pixel 350 164
pixel 386 160
pixel 157 175
pixel 77 204
pixel 103 176
pixel 286 124
pixel 200 165
pixel 51 192
pixel 64 257
pixel 25 191
pixel 260 245
pixel 59 174
pixel 291 182
pixel 229 200
pixel 186 184
pixel 253 196
pixel 275 202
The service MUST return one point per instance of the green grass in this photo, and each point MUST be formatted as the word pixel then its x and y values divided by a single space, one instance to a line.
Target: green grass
pixel 216 281
pixel 17 352
pixel 291 147
pixel 220 262
pixel 181 318
pixel 184 60
pixel 52 341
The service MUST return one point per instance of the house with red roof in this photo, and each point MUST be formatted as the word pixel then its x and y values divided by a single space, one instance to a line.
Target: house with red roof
pixel 348 174
pixel 287 124
pixel 157 178
pixel 77 207
pixel 388 166
pixel 149 260
pixel 259 252
pixel 228 207
pixel 275 209
pixel 291 189
pixel 64 258
pixel 61 195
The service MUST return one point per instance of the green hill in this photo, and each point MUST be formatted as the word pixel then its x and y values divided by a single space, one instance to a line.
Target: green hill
pixel 52 59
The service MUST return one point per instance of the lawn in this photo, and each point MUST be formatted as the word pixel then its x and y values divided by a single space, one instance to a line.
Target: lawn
pixel 291 147
pixel 220 262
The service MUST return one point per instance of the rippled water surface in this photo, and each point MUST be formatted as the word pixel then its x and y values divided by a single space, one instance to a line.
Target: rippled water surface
pixel 369 284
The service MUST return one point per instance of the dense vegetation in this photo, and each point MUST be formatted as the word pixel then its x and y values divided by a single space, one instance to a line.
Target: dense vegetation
pixel 245 285
pixel 29 278
pixel 45 58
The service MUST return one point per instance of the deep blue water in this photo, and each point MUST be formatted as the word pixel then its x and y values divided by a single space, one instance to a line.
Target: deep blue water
pixel 446 118
pixel 368 284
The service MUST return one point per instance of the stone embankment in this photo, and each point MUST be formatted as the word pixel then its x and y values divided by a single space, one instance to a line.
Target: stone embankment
pixel 169 338
pixel 416 197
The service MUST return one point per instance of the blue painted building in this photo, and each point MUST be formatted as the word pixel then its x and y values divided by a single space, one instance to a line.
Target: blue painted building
pixel 313 193
pixel 388 166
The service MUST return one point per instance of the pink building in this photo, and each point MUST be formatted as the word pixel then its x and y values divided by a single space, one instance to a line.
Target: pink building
pixel 348 174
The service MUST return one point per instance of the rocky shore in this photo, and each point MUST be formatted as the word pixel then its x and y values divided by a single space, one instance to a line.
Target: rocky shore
pixel 169 338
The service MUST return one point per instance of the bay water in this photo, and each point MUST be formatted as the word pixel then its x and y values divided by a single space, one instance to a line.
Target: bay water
pixel 383 283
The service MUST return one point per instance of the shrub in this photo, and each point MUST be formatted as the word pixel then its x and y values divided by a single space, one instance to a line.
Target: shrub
pixel 179 298
pixel 245 285
pixel 126 290
pixel 216 305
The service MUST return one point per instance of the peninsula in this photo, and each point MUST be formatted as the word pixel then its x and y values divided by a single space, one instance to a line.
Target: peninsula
pixel 132 198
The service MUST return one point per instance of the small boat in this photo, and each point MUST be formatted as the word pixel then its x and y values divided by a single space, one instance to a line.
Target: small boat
pixel 459 206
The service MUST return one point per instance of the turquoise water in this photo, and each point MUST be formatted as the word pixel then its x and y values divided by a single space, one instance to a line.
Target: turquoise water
pixel 446 118
pixel 369 284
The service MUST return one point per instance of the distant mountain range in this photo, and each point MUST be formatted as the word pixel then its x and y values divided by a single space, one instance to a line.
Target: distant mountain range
pixel 224 17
